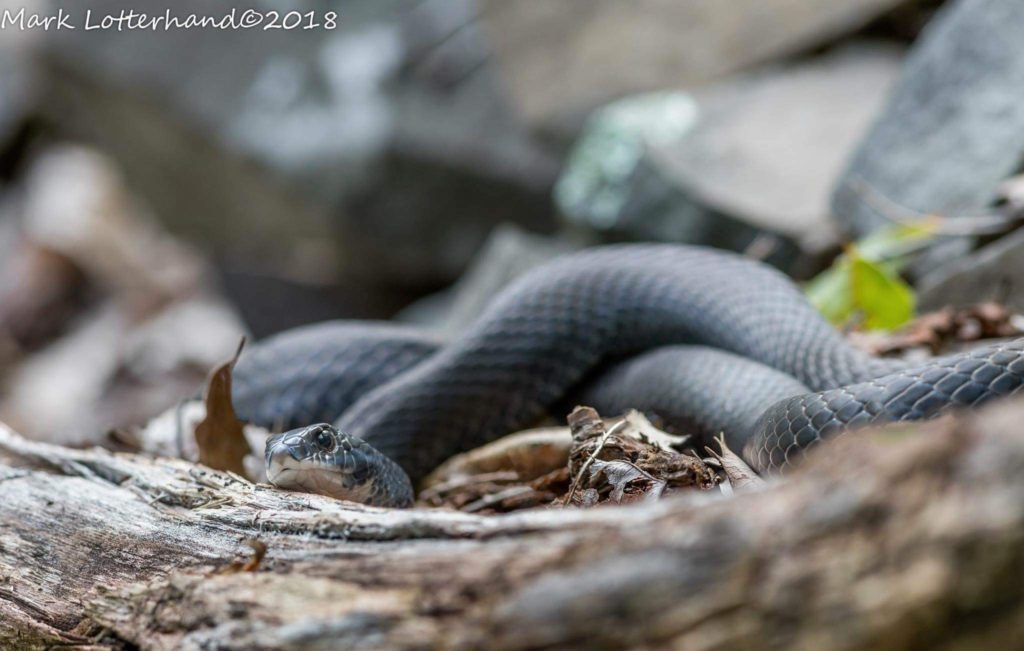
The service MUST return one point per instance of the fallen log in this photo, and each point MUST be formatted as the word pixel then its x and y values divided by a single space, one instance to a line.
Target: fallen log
pixel 905 537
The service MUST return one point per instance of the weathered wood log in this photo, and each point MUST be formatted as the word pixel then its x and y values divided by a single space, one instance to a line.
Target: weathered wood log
pixel 909 537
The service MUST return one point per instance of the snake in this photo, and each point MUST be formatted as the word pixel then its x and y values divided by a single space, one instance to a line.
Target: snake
pixel 710 339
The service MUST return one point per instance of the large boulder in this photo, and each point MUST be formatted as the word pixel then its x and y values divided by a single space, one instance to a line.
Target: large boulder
pixel 750 159
pixel 605 49
pixel 769 146
pixel 952 129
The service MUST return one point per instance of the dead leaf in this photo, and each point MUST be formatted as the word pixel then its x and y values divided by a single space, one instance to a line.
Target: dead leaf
pixel 622 475
pixel 586 425
pixel 529 454
pixel 638 426
pixel 943 329
pixel 589 498
pixel 740 475
pixel 530 469
pixel 635 443
pixel 220 437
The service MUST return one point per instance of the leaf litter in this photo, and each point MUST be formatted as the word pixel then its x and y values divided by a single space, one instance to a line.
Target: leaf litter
pixel 593 461
pixel 220 436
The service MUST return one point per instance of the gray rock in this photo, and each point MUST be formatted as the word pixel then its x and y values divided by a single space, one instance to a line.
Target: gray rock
pixel 749 159
pixel 382 149
pixel 953 128
pixel 614 187
pixel 993 273
pixel 768 147
pixel 650 206
pixel 605 49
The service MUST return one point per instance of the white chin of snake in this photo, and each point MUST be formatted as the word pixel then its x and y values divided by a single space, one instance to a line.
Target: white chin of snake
pixel 286 472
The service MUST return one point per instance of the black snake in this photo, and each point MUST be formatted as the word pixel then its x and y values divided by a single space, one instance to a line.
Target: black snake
pixel 698 336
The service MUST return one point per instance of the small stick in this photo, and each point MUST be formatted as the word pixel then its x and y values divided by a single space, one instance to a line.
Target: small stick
pixel 981 224
pixel 586 464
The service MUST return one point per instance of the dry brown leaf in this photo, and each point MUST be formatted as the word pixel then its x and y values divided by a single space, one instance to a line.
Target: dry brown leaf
pixel 529 454
pixel 623 476
pixel 638 426
pixel 741 476
pixel 631 459
pixel 595 445
pixel 220 437
pixel 940 330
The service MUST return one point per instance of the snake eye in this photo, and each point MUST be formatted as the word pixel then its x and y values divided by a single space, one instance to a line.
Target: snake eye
pixel 324 439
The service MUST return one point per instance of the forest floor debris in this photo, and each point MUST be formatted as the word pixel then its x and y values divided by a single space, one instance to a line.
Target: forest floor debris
pixel 944 330
pixel 608 464
pixel 593 461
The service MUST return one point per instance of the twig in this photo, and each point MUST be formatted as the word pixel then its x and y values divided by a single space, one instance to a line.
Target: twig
pixel 586 464
pixel 983 224
pixel 495 498
pixel 463 481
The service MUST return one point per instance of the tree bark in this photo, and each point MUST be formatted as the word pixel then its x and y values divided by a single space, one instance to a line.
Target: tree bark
pixel 906 537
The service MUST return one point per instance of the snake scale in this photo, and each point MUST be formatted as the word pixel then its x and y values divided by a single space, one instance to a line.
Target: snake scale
pixel 698 336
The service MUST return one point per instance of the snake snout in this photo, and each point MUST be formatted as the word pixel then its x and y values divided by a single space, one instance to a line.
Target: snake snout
pixel 294 451
pixel 322 459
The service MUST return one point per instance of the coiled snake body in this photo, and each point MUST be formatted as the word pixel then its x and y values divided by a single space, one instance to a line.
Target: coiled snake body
pixel 704 337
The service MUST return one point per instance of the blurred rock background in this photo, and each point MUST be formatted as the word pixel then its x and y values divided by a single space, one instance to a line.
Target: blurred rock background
pixel 163 193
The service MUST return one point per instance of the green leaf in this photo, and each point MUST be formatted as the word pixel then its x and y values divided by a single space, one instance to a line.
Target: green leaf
pixel 831 292
pixel 864 282
pixel 883 300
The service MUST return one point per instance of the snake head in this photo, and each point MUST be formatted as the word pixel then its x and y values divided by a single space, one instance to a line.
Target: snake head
pixel 323 459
